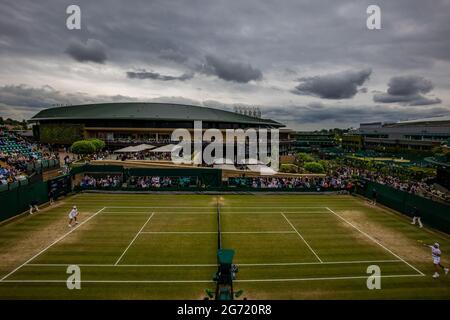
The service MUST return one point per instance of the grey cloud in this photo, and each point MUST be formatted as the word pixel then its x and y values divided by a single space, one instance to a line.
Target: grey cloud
pixel 408 85
pixel 320 115
pixel 363 90
pixel 46 96
pixel 407 90
pixel 173 55
pixel 93 50
pixel 230 70
pixel 20 101
pixel 415 32
pixel 342 85
pixel 157 76
pixel 22 95
pixel 409 100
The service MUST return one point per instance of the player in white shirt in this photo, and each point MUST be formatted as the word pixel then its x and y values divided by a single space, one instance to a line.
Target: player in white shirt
pixel 436 254
pixel 73 216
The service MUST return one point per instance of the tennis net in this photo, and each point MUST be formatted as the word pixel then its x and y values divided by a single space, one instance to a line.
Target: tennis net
pixel 219 228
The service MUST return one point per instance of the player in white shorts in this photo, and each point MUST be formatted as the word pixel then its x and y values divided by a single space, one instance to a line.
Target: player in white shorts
pixel 436 254
pixel 73 216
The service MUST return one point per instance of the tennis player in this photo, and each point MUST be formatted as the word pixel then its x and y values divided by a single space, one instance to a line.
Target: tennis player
pixel 436 255
pixel 73 216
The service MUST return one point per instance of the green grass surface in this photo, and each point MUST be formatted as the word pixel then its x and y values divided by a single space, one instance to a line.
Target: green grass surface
pixel 164 247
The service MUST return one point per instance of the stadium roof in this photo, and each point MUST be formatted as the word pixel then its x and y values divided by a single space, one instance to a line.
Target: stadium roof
pixel 147 111
pixel 432 119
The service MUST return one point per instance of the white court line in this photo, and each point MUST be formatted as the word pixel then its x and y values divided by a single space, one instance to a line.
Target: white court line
pixel 154 207
pixel 377 242
pixel 314 263
pixel 301 237
pixel 258 232
pixel 179 232
pixel 50 245
pixel 224 207
pixel 120 265
pixel 123 213
pixel 134 239
pixel 110 281
pixel 211 281
pixel 159 212
pixel 214 265
pixel 276 208
pixel 276 211
pixel 326 278
pixel 215 232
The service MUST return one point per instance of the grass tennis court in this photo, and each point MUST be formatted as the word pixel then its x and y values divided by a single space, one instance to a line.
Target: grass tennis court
pixel 136 246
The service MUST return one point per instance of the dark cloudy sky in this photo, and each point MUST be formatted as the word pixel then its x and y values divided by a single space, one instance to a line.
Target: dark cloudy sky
pixel 308 63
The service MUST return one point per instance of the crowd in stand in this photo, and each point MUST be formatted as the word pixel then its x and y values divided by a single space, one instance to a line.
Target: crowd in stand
pixel 414 187
pixel 340 178
pixel 9 175
pixel 142 155
pixel 166 156
pixel 158 182
pixel 102 182
pixel 145 182
pixel 306 183
pixel 16 154
pixel 420 188
pixel 151 182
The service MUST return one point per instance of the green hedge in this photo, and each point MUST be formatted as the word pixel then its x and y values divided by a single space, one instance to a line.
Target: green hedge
pixel 83 147
pixel 60 133
pixel 17 199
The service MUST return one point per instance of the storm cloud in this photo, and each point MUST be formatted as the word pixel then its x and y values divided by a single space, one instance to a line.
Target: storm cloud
pixel 342 85
pixel 157 76
pixel 46 96
pixel 93 51
pixel 248 52
pixel 407 90
pixel 173 55
pixel 24 100
pixel 318 115
pixel 230 70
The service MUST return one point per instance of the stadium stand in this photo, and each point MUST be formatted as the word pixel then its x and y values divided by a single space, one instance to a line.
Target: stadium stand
pixel 20 158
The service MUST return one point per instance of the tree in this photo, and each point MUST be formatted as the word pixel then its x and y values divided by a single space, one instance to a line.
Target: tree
pixel 314 167
pixel 288 168
pixel 304 157
pixel 83 147
pixel 99 144
pixel 325 164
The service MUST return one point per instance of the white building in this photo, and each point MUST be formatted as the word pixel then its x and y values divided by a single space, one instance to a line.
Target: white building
pixel 420 134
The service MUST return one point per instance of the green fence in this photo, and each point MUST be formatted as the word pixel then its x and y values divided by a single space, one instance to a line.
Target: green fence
pixel 89 168
pixel 18 197
pixel 434 214
pixel 206 177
